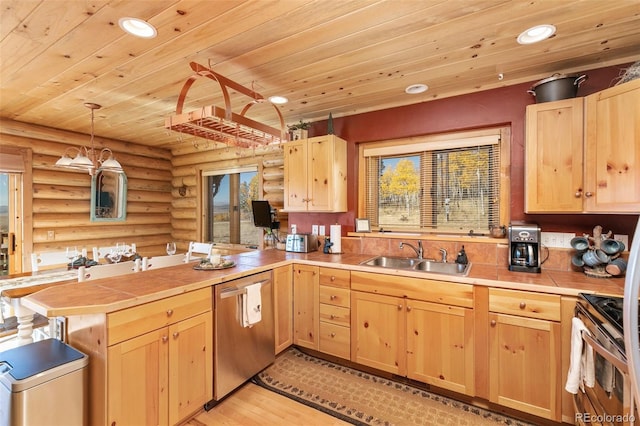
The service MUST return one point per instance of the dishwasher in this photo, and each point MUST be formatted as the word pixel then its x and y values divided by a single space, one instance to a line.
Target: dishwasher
pixel 241 351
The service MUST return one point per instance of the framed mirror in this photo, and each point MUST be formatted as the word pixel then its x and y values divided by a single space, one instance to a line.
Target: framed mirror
pixel 108 196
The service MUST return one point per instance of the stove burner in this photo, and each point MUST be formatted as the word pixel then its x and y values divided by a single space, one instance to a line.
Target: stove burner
pixel 613 308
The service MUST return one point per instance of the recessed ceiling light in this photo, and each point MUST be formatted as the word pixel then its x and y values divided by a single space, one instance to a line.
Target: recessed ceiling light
pixel 536 34
pixel 279 100
pixel 414 89
pixel 137 27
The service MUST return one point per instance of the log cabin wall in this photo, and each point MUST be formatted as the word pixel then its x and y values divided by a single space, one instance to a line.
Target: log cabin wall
pixel 61 197
pixel 190 159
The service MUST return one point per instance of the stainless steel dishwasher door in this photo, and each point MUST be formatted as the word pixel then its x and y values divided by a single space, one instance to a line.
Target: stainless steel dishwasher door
pixel 241 352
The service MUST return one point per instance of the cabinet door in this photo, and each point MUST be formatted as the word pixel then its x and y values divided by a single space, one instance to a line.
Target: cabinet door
pixel 190 366
pixel 295 176
pixel 306 294
pixel 378 332
pixel 612 162
pixel 440 345
pixel 553 156
pixel 137 380
pixel 283 307
pixel 525 364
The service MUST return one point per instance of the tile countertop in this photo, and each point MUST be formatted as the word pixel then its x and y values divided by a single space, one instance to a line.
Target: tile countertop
pixel 113 294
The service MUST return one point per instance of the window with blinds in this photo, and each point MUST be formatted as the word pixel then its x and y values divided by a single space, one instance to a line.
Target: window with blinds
pixel 448 185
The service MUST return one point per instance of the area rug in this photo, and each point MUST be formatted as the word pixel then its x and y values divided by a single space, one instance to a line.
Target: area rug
pixel 364 399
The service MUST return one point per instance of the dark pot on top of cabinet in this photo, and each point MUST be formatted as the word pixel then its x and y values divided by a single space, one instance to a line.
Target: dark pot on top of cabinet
pixel 557 87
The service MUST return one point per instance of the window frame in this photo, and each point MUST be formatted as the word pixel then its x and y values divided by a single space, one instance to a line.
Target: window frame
pixel 438 141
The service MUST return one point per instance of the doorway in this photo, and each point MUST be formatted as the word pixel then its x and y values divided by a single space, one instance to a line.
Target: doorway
pixel 10 223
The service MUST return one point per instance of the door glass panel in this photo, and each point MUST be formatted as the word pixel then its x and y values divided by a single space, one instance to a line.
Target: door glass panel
pixel 229 216
pixel 4 223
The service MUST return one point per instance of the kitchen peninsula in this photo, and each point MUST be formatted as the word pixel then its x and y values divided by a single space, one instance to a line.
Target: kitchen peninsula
pixel 111 313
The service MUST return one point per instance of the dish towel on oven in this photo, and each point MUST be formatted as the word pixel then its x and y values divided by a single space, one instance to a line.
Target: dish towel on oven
pixel 581 366
pixel 251 305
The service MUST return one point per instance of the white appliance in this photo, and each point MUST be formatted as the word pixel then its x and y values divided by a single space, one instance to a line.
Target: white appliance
pixel 630 315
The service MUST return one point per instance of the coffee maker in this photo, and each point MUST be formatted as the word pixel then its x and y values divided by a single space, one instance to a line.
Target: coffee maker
pixel 524 247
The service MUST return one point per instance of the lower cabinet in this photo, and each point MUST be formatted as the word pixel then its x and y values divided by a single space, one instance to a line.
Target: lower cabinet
pixel 525 352
pixel 321 306
pixel 306 295
pixel 335 312
pixel 157 378
pixel 151 364
pixel 421 339
pixel 283 307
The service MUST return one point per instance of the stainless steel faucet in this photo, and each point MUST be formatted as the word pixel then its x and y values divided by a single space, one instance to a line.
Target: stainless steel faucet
pixel 444 255
pixel 418 250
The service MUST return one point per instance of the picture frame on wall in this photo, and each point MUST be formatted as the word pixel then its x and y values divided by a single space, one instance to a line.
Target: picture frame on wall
pixel 363 225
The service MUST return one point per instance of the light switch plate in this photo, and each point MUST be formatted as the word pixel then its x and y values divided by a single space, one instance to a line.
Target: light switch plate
pixel 322 230
pixel 624 239
pixel 314 229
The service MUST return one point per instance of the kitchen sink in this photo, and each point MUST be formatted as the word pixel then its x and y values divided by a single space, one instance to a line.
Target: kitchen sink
pixel 415 264
pixel 393 262
pixel 443 268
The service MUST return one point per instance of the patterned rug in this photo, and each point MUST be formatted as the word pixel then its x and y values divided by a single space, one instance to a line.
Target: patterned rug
pixel 365 399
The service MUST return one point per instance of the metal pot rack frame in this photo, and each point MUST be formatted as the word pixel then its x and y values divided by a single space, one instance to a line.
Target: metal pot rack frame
pixel 223 125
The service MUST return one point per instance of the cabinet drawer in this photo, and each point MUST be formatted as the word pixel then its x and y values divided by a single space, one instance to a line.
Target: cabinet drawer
pixel 335 277
pixel 132 322
pixel 335 340
pixel 522 303
pixel 335 314
pixel 335 296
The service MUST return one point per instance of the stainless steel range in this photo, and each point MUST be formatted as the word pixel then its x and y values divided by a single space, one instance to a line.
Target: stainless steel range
pixel 610 400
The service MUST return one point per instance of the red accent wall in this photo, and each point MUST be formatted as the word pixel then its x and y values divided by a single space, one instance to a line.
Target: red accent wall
pixel 494 107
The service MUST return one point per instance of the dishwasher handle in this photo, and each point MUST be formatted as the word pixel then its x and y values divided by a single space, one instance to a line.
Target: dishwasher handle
pixel 235 291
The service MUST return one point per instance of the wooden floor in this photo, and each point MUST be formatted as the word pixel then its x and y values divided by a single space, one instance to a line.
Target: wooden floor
pixel 254 405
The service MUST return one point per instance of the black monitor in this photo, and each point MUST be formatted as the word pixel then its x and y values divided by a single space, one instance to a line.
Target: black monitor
pixel 262 214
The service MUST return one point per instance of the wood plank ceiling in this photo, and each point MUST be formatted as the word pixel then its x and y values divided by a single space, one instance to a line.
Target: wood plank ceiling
pixel 338 56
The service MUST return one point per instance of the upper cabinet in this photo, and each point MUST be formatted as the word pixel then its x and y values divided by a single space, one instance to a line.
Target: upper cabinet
pixel 315 175
pixel 553 156
pixel 583 154
pixel 612 150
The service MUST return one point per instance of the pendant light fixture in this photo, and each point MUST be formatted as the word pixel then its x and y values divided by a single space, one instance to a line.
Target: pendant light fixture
pixel 87 158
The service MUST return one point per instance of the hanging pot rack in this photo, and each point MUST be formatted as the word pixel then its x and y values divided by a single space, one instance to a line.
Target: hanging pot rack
pixel 223 125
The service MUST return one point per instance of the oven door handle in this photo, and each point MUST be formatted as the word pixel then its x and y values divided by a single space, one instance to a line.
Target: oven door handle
pixel 606 354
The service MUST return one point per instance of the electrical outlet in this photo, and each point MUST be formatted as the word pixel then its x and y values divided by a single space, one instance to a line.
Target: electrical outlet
pixel 314 229
pixel 294 229
pixel 51 235
pixel 322 230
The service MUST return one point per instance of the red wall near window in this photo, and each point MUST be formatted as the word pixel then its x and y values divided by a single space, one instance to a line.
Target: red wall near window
pixel 483 109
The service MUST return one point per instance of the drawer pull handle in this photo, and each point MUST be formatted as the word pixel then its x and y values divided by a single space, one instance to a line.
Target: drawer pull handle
pixel 333 334
pixel 170 312
pixel 175 335
pixel 333 316
pixel 493 323
pixel 523 305
pixel 164 339
pixel 399 307
pixel 588 194
pixel 332 297
pixel 408 308
pixel 333 278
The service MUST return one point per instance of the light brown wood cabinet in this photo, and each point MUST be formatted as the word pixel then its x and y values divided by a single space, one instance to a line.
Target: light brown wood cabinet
pixel 150 364
pixel 426 336
pixel 306 296
pixel 525 351
pixel 315 175
pixel 583 154
pixel 612 150
pixel 335 312
pixel 554 156
pixel 283 306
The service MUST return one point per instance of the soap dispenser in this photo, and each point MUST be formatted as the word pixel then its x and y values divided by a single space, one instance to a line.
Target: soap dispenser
pixel 462 257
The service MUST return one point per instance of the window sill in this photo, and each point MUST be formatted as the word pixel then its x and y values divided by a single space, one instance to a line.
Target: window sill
pixel 428 237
